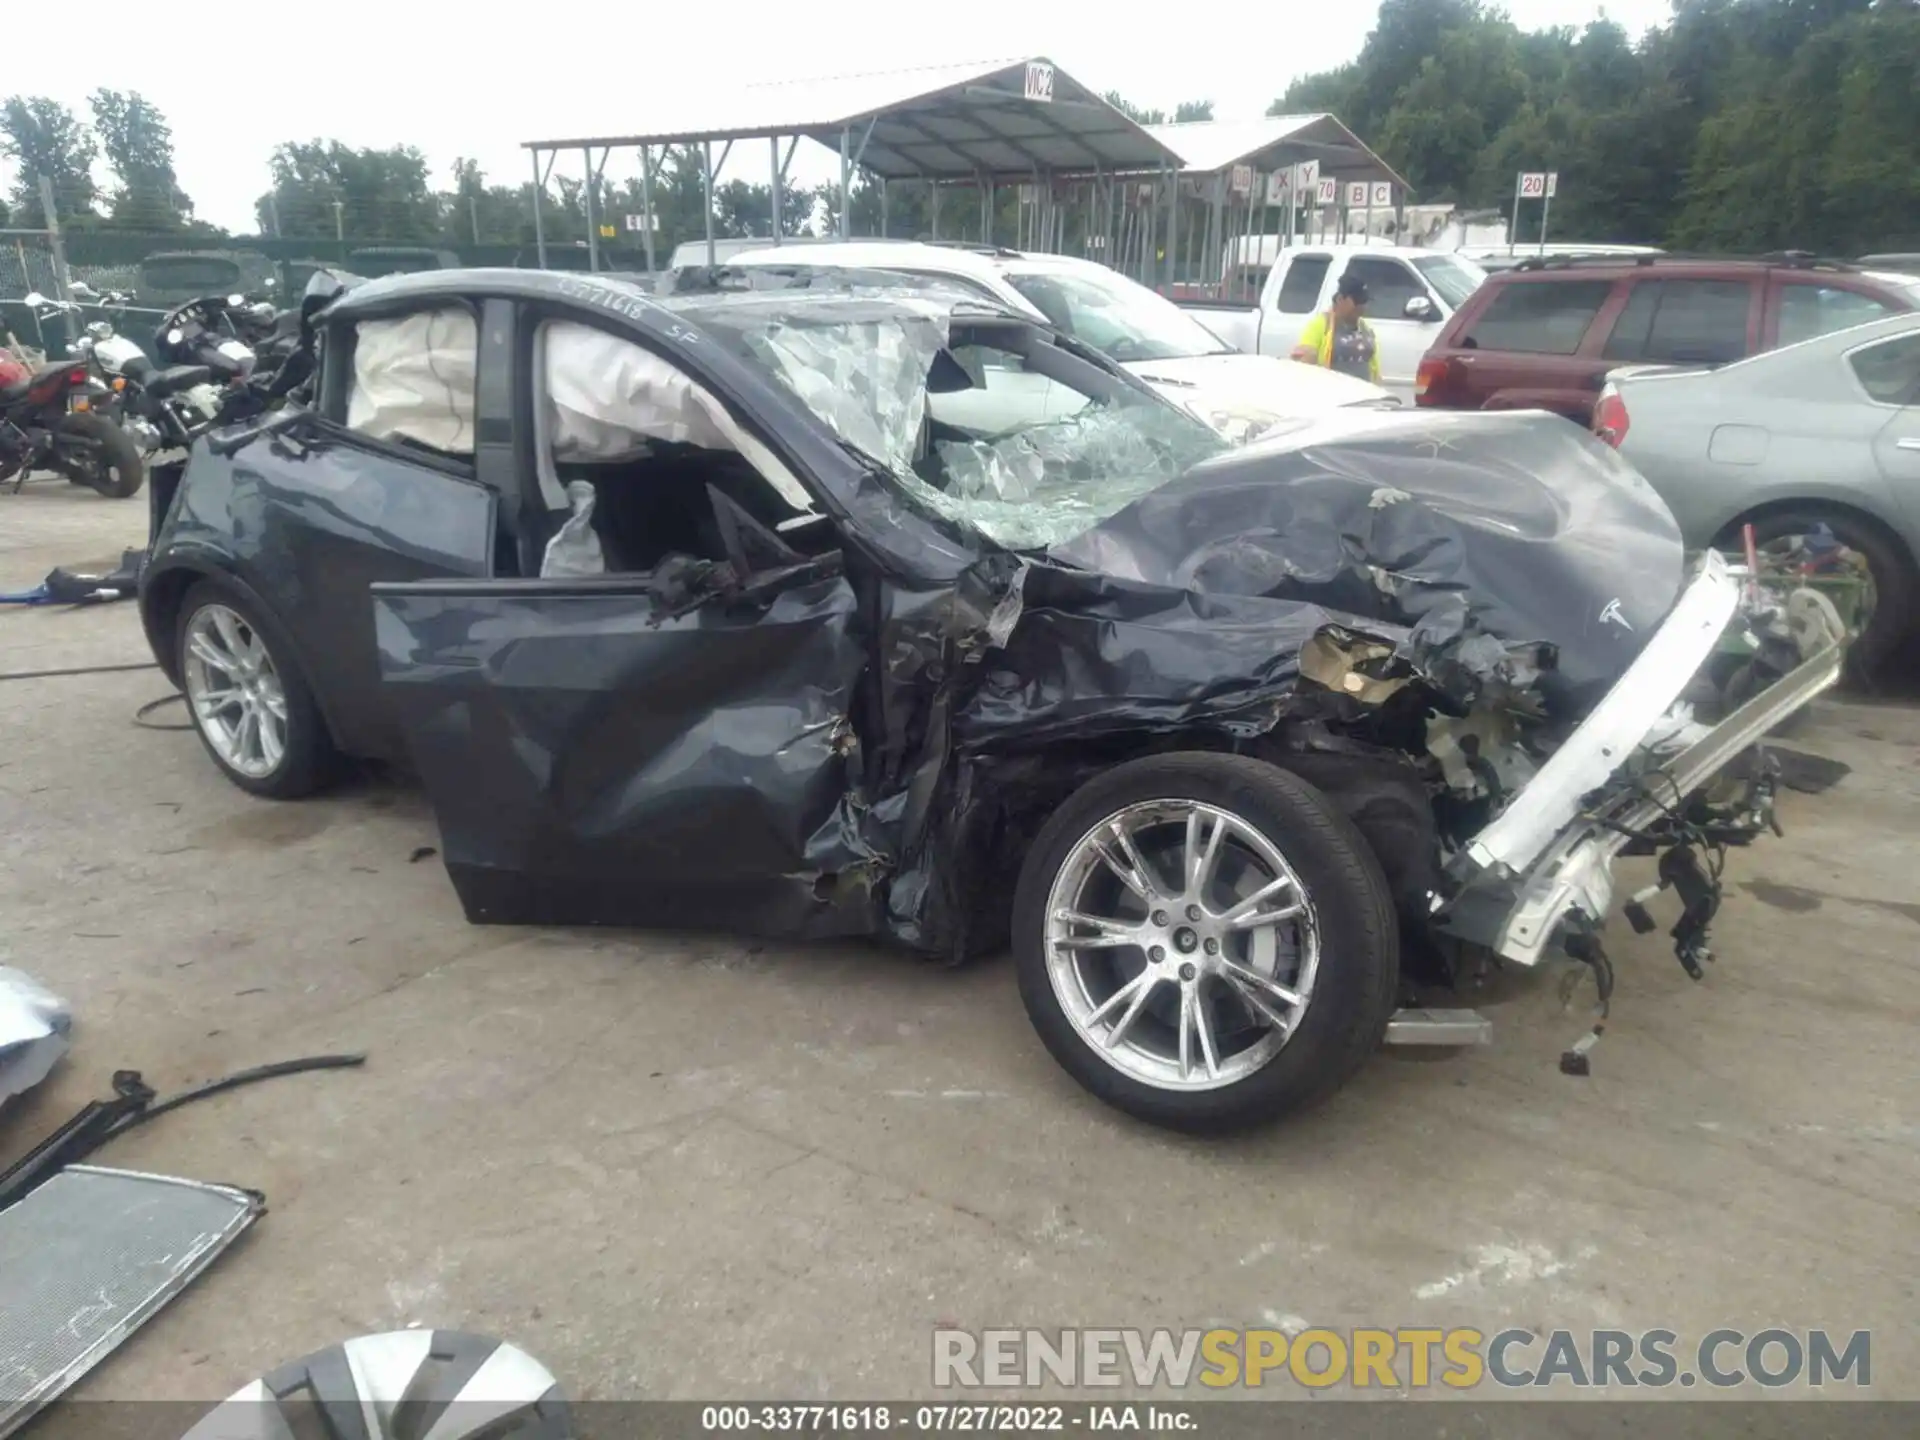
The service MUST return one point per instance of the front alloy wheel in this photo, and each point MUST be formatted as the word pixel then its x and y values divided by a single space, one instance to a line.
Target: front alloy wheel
pixel 1205 941
pixel 1181 944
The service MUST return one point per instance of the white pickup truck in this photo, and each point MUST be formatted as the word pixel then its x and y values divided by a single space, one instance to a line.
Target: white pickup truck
pixel 1411 294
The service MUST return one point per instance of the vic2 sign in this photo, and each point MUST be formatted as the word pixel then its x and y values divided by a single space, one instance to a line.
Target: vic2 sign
pixel 1039 81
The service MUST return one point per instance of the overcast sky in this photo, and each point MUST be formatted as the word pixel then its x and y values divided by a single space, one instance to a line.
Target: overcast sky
pixel 404 73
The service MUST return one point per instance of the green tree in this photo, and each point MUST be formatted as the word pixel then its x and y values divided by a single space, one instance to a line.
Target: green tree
pixel 1185 111
pixel 43 137
pixel 323 189
pixel 1140 115
pixel 477 213
pixel 1741 124
pixel 139 149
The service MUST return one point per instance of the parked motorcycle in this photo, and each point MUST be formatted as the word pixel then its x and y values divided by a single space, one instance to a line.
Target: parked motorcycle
pixel 47 422
pixel 208 332
pixel 163 408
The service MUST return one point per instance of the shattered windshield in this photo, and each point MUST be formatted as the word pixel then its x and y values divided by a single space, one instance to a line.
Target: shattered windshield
pixel 986 420
pixel 1114 315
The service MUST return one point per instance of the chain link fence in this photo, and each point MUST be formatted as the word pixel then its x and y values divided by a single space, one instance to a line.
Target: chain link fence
pixel 26 264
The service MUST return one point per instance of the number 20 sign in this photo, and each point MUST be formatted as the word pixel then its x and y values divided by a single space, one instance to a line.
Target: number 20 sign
pixel 1538 184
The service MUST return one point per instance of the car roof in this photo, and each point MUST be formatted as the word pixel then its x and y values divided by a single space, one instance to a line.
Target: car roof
pixel 390 291
pixel 881 255
pixel 1604 267
pixel 1386 252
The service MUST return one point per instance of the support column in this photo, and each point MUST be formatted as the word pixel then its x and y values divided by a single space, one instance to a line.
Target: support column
pixel 539 222
pixel 593 219
pixel 706 188
pixel 773 144
pixel 846 185
pixel 646 204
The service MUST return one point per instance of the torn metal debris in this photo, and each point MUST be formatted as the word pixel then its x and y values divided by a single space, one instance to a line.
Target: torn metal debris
pixel 35 1026
pixel 88 1258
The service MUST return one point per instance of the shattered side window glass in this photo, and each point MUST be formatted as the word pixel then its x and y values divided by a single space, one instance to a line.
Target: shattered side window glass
pixel 1045 484
pixel 866 379
pixel 978 416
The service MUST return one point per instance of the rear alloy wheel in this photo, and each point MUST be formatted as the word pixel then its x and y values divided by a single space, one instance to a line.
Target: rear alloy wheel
pixel 95 452
pixel 1204 941
pixel 249 705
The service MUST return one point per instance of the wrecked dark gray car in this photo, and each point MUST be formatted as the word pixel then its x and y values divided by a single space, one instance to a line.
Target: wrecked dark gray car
pixel 826 614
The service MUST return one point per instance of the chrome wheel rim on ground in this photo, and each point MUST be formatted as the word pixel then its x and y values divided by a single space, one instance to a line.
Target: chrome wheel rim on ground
pixel 1181 944
pixel 236 695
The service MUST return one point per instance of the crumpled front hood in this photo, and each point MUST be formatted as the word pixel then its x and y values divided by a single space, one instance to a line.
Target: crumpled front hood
pixel 1518 526
pixel 1246 396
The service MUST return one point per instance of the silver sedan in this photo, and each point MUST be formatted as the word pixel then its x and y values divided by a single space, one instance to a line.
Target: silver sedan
pixel 1816 445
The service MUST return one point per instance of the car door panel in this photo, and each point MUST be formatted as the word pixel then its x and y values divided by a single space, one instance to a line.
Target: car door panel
pixel 1533 345
pixel 1897 449
pixel 1403 342
pixel 314 521
pixel 594 755
pixel 1299 287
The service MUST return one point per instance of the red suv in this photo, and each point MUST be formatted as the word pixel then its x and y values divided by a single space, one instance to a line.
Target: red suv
pixel 1543 335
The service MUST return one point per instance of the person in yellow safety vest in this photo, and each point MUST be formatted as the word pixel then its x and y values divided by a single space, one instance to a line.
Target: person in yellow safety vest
pixel 1340 338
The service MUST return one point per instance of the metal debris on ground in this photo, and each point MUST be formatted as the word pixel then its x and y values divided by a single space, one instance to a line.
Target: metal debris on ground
pixel 34 1028
pixel 88 1258
pixel 71 587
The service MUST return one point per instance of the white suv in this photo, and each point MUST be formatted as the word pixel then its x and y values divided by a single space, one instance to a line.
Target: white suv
pixel 1242 396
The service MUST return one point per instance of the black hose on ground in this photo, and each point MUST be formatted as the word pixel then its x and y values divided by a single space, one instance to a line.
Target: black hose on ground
pixel 140 715
pixel 76 670
pixel 234 1082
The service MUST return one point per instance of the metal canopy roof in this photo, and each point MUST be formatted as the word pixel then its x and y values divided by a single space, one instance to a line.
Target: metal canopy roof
pixel 1206 147
pixel 937 122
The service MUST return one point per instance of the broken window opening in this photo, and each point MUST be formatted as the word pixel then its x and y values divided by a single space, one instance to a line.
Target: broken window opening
pixel 413 380
pixel 640 467
pixel 987 422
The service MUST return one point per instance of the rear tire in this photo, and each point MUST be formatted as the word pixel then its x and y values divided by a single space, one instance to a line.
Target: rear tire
pixel 110 462
pixel 1345 996
pixel 300 759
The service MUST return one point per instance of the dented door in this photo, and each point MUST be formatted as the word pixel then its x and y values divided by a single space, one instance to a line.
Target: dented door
pixel 595 757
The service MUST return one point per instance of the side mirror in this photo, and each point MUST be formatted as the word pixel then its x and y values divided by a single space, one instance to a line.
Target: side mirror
pixel 1421 308
pixel 34 298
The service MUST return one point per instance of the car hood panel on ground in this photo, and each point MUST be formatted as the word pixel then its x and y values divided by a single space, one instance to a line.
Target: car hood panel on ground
pixel 1520 527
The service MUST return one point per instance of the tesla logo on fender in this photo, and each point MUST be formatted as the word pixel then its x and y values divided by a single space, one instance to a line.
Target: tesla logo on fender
pixel 1611 616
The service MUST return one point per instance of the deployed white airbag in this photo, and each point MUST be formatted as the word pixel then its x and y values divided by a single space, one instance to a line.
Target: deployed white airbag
pixel 413 379
pixel 608 399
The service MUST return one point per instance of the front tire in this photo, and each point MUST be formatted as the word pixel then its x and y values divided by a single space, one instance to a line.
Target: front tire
pixel 249 703
pixel 1205 942
pixel 107 459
